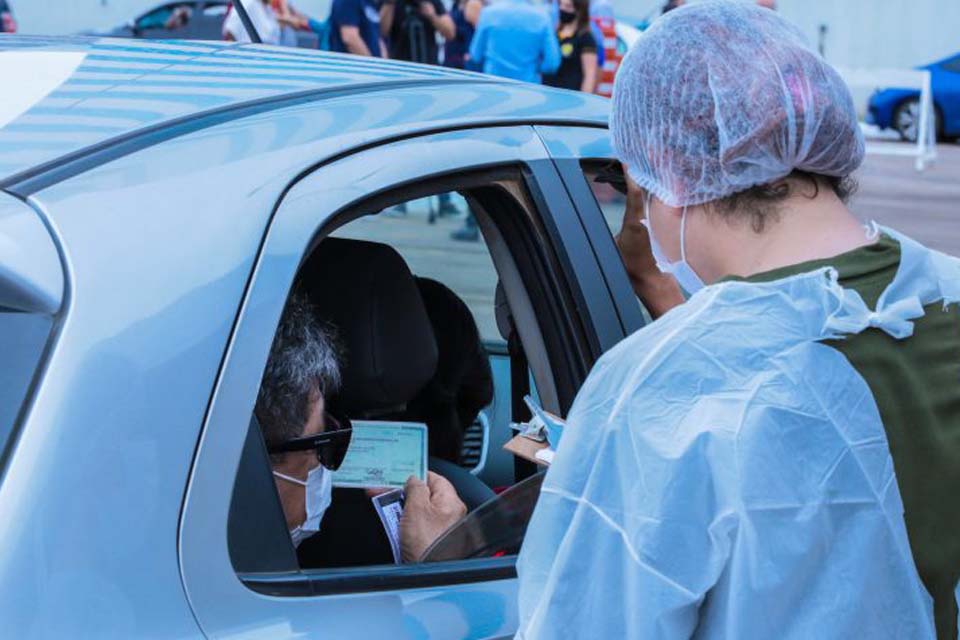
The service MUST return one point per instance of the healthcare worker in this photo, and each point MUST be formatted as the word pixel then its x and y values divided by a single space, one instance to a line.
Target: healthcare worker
pixel 779 456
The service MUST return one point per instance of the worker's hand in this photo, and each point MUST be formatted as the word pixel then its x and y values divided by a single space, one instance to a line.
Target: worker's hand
pixel 431 508
pixel 659 291
pixel 428 11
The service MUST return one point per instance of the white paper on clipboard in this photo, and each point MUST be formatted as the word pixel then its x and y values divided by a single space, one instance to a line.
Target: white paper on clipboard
pixel 389 507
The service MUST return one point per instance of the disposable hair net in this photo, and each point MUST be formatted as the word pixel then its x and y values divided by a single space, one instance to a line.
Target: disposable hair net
pixel 717 97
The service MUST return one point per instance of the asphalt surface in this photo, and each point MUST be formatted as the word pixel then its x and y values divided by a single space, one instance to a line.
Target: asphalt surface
pixel 924 205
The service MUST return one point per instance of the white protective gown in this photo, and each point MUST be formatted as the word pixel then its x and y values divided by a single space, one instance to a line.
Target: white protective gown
pixel 724 474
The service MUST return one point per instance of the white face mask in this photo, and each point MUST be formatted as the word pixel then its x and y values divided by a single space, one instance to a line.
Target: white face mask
pixel 319 494
pixel 681 270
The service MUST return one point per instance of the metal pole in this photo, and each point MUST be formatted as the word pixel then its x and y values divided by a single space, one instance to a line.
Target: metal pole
pixel 925 126
pixel 247 22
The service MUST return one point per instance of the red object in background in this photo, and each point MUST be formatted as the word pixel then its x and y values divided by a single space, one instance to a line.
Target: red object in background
pixel 9 24
pixel 613 58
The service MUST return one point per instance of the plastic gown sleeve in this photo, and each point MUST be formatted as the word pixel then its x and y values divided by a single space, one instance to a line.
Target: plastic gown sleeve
pixel 628 534
pixel 724 479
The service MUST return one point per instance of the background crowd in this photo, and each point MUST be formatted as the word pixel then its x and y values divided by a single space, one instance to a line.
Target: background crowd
pixel 561 45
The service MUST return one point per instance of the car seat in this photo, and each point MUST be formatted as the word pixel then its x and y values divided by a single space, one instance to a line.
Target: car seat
pixel 366 292
pixel 463 383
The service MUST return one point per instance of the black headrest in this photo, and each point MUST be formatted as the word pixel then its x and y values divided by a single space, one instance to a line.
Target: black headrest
pixel 463 384
pixel 366 291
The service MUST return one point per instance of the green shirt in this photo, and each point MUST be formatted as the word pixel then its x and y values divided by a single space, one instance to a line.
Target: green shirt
pixel 916 384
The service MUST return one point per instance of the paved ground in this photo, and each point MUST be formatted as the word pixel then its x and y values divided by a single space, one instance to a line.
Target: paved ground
pixel 925 206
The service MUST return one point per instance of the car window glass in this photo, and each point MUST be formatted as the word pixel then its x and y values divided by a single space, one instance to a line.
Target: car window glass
pixel 155 19
pixel 463 397
pixel 214 11
pixel 611 200
pixel 605 178
pixel 952 65
pixel 22 339
pixel 438 238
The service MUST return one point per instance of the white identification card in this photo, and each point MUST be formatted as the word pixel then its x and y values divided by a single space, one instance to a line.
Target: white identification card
pixel 389 507
pixel 383 454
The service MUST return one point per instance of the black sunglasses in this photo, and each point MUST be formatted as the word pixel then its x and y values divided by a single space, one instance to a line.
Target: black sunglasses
pixel 331 445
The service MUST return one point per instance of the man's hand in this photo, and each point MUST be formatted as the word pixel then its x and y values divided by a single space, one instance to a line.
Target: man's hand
pixel 431 508
pixel 660 292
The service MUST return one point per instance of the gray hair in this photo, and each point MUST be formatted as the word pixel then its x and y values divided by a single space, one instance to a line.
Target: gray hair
pixel 303 362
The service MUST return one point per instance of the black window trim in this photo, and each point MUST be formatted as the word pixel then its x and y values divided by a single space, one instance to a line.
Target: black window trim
pixel 380 578
pixel 573 171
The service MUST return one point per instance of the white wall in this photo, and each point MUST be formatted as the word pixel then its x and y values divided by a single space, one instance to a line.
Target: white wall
pixel 880 33
pixel 862 33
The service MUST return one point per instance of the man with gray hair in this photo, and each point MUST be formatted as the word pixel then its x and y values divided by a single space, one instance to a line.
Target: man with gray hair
pixel 307 444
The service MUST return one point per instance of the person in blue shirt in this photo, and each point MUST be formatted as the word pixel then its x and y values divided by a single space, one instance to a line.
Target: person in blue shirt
pixel 515 39
pixel 355 28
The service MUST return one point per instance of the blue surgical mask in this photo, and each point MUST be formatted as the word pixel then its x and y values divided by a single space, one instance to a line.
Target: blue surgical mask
pixel 687 278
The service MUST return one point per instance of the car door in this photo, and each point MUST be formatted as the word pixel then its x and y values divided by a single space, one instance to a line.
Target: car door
pixel 459 599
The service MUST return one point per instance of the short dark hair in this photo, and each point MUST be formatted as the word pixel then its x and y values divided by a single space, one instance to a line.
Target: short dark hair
pixel 762 203
pixel 582 9
pixel 303 362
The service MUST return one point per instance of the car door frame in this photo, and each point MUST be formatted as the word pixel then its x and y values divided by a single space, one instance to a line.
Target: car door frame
pixel 477 596
pixel 569 146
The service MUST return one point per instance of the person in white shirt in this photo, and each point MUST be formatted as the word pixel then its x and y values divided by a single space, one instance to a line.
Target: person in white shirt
pixel 262 16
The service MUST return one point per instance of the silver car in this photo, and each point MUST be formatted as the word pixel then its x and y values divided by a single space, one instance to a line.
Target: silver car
pixel 159 201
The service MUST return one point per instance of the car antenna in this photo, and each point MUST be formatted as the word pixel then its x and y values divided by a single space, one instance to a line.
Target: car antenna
pixel 247 22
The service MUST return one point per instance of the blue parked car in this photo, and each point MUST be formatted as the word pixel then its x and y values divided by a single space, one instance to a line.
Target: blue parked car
pixel 157 205
pixel 899 109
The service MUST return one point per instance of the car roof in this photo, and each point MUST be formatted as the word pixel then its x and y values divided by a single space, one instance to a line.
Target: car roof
pixel 113 89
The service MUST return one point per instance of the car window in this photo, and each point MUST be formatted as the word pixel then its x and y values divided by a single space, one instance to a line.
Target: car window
pixel 155 19
pixel 438 238
pixel 215 11
pixel 605 178
pixel 22 339
pixel 424 265
pixel 161 18
pixel 952 65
